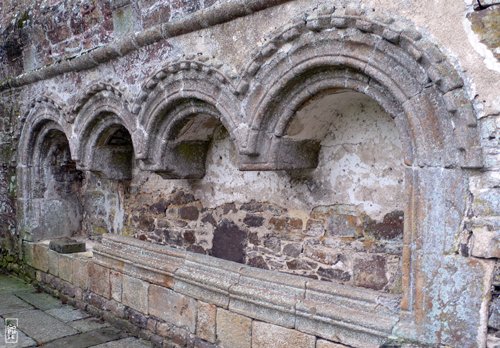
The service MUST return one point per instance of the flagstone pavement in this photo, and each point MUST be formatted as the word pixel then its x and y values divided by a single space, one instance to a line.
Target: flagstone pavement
pixel 42 320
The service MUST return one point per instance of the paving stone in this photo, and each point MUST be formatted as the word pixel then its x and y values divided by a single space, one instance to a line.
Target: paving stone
pixel 233 330
pixel 88 339
pixel 129 342
pixel 67 313
pixel 10 303
pixel 88 324
pixel 22 339
pixel 11 284
pixel 40 326
pixel 39 300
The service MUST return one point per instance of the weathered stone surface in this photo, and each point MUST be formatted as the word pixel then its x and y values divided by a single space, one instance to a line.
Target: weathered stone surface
pixel 253 220
pixel 39 300
pixel 233 330
pixel 66 246
pixel 389 228
pixel 22 339
pixel 494 314
pixel 229 242
pixel 258 262
pixel 81 273
pixel 41 326
pixel 12 304
pixel 172 307
pixel 292 249
pixel 53 259
pixel 284 88
pixel 136 318
pixel 116 284
pixel 66 268
pixel 96 338
pixel 370 272
pixel 268 335
pixel 135 293
pixel 189 213
pixel 88 324
pixel 485 243
pixel 67 313
pixel 485 25
pixel 99 279
pixel 40 257
pixel 328 344
pixel 206 321
pixel 129 342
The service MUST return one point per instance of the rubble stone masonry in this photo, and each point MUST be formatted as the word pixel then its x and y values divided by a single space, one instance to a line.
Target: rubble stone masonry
pixel 249 173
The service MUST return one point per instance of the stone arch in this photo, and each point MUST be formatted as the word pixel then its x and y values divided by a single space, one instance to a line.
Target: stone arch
pixel 179 109
pixel 49 182
pixel 411 79
pixel 97 121
pixel 406 74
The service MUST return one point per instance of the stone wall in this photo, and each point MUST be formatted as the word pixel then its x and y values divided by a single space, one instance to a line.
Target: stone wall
pixel 162 302
pixel 39 33
pixel 335 142
pixel 335 222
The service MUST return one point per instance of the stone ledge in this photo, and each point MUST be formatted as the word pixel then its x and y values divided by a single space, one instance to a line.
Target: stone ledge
pixel 329 310
pixel 67 246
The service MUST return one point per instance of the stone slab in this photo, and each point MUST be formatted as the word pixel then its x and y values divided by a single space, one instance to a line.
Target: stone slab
pixel 40 326
pixel 206 322
pixel 67 246
pixel 268 335
pixel 129 342
pixel 172 307
pixel 66 268
pixel 88 339
pixel 67 313
pixel 233 330
pixel 40 257
pixel 10 303
pixel 99 279
pixel 22 339
pixel 81 273
pixel 10 284
pixel 88 324
pixel 53 258
pixel 328 344
pixel 39 300
pixel 116 284
pixel 485 243
pixel 135 293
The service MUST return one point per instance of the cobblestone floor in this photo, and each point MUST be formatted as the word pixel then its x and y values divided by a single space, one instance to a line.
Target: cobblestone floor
pixel 42 320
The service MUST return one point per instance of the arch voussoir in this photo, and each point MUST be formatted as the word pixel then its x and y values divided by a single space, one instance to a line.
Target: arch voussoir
pixel 411 70
pixel 102 111
pixel 186 93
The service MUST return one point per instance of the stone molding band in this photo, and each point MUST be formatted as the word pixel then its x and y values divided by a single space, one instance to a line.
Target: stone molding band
pixel 353 316
pixel 205 18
